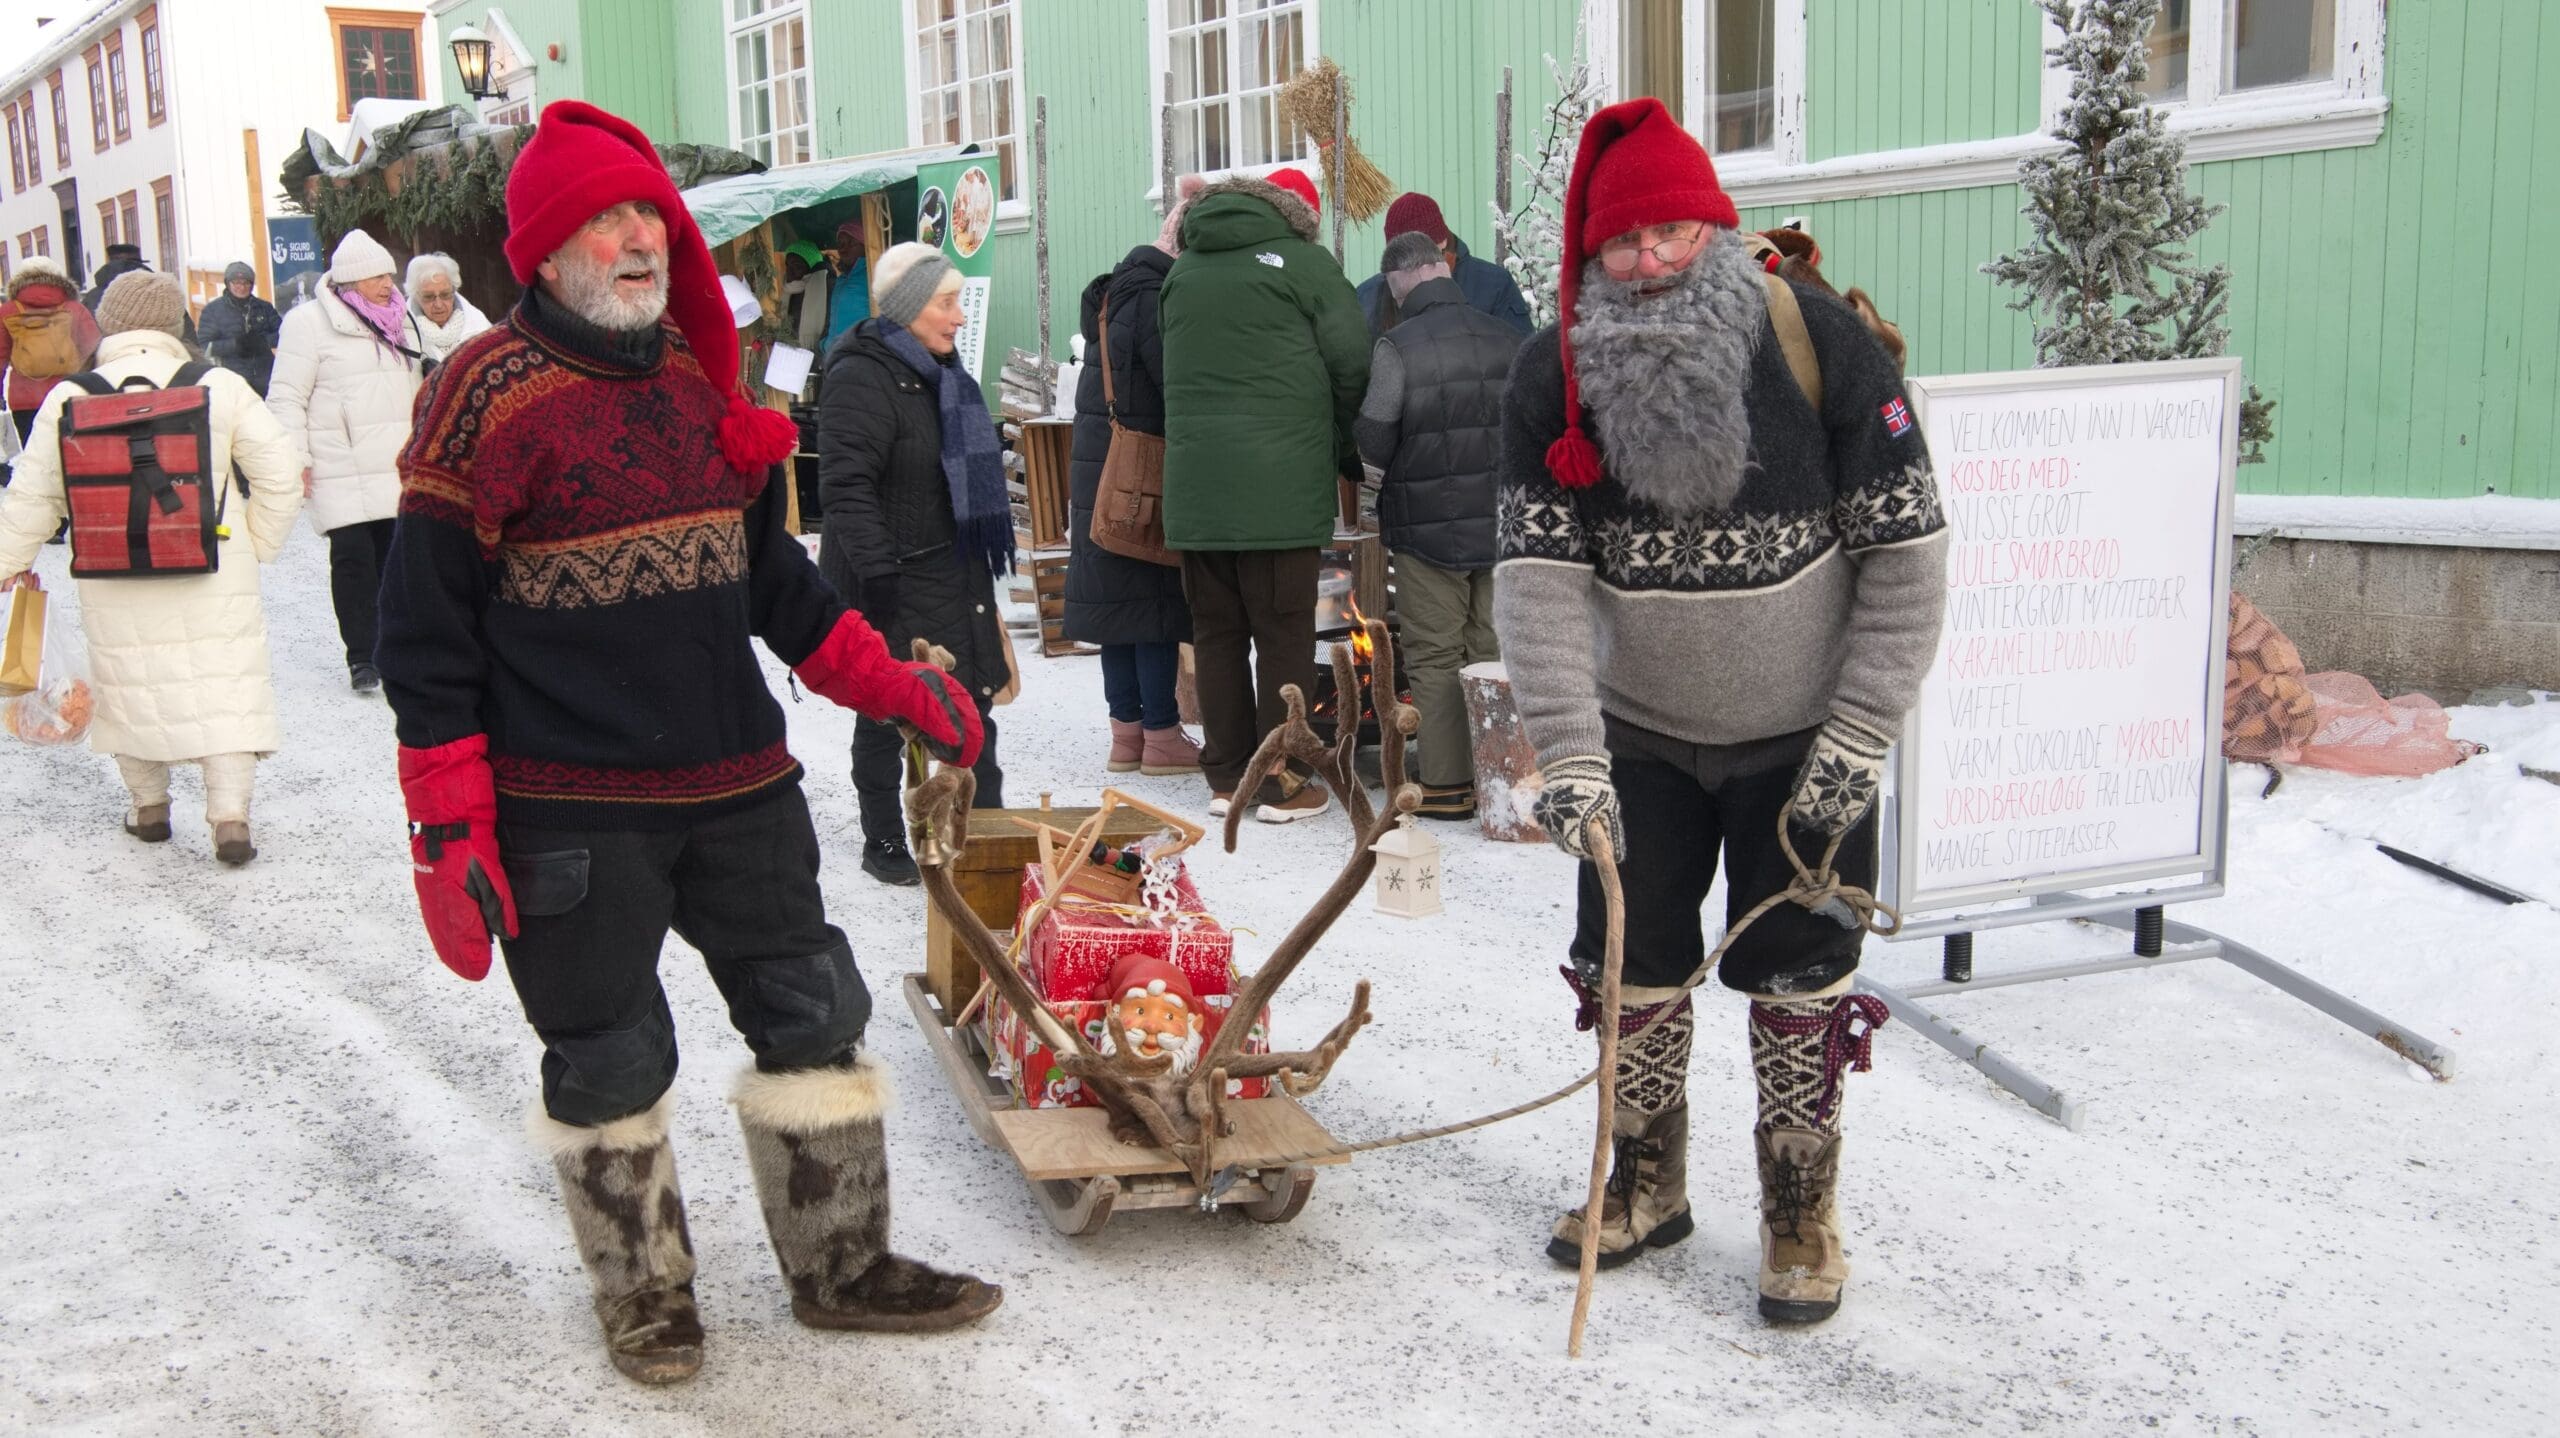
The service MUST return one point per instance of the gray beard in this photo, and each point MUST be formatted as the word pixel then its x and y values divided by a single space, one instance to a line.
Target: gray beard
pixel 1665 374
pixel 587 289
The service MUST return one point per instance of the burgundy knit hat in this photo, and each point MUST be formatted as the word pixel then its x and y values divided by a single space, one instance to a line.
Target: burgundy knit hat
pixel 582 161
pixel 1635 167
pixel 1297 183
pixel 1414 211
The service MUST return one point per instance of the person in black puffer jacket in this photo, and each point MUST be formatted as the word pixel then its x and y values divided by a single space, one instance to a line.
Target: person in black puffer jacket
pixel 894 542
pixel 1132 608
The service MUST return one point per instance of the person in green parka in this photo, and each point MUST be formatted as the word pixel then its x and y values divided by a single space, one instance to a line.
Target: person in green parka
pixel 1266 357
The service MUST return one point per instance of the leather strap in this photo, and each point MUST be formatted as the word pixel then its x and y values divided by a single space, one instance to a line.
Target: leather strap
pixel 1110 404
pixel 1787 318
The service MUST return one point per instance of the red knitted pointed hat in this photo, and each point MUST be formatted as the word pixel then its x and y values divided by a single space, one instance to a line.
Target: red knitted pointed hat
pixel 582 161
pixel 1137 973
pixel 1635 167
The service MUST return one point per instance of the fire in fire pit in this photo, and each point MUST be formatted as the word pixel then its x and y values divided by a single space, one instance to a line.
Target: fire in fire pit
pixel 1322 714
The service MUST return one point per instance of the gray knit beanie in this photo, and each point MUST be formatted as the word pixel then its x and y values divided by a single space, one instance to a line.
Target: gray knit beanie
pixel 905 281
pixel 143 300
pixel 239 270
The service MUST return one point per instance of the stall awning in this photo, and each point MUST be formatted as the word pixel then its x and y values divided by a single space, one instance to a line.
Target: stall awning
pixel 734 204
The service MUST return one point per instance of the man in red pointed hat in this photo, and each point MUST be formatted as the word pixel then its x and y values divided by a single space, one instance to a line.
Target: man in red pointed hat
pixel 590 541
pixel 1721 569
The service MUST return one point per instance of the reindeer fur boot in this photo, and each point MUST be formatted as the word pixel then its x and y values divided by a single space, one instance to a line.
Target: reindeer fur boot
pixel 619 1181
pixel 1647 1201
pixel 821 1161
pixel 1800 1049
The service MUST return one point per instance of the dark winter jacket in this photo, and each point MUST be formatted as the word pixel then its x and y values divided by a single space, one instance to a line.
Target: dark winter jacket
pixel 240 335
pixel 888 511
pixel 108 273
pixel 1433 422
pixel 1265 363
pixel 1487 286
pixel 1111 598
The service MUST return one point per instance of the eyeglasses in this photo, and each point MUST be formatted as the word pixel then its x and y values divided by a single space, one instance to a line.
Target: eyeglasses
pixel 1619 256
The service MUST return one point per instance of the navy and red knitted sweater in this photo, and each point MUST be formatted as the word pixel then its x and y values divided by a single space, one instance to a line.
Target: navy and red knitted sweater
pixel 577 572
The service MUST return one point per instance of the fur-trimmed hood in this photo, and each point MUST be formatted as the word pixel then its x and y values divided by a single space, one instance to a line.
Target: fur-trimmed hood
pixel 41 270
pixel 1230 215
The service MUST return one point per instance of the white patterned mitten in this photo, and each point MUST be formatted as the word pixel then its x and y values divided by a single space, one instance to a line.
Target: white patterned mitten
pixel 1841 774
pixel 1578 799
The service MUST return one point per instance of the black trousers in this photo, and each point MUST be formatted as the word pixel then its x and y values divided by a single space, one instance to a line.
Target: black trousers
pixel 1253 630
pixel 1684 803
pixel 593 908
pixel 880 776
pixel 357 553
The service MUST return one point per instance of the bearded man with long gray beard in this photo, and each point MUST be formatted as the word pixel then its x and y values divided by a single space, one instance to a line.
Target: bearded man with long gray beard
pixel 590 540
pixel 1714 617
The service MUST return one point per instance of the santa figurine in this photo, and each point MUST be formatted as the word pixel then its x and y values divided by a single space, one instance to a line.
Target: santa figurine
pixel 1156 1008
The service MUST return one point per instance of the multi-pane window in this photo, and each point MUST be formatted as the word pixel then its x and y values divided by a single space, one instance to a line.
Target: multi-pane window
pixel 17 156
pixel 377 56
pixel 2202 50
pixel 164 223
pixel 26 113
pixel 769 74
pixel 97 101
pixel 132 207
pixel 968 80
pixel 115 86
pixel 61 123
pixel 107 223
pixel 155 95
pixel 1226 60
pixel 1737 40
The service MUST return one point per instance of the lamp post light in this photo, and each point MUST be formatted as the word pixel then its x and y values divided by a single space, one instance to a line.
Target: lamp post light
pixel 471 57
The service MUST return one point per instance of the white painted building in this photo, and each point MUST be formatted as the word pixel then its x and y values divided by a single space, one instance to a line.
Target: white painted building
pixel 161 122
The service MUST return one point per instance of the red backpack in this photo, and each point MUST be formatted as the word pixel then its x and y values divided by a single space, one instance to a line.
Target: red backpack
pixel 137 470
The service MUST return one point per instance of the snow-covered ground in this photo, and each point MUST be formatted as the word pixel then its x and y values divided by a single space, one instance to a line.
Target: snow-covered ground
pixel 261 1164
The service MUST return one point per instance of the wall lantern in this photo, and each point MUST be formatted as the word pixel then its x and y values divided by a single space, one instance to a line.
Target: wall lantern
pixel 471 57
pixel 1408 877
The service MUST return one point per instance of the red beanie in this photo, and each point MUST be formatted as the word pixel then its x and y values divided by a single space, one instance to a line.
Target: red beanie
pixel 1297 183
pixel 1635 167
pixel 1139 972
pixel 1417 213
pixel 581 162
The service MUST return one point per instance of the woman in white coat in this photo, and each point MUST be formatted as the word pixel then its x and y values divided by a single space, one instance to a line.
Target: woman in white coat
pixel 347 368
pixel 179 663
pixel 445 317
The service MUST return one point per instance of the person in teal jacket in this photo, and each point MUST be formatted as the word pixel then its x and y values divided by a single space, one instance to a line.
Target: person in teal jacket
pixel 1266 358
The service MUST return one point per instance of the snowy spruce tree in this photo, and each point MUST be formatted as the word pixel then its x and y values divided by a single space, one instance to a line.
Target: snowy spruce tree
pixel 1533 236
pixel 2109 275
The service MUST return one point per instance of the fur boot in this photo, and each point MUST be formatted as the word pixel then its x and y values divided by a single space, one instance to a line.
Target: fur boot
pixel 1647 1201
pixel 821 1161
pixel 619 1181
pixel 1800 1050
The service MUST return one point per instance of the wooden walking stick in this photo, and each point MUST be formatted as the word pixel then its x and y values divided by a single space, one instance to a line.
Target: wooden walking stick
pixel 1613 959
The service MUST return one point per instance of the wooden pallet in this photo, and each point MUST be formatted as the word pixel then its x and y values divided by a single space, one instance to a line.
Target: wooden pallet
pixel 1049 590
pixel 1046 445
pixel 1081 1175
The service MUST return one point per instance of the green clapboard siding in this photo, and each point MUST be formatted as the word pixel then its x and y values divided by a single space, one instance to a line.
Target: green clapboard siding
pixel 1888 76
pixel 539 23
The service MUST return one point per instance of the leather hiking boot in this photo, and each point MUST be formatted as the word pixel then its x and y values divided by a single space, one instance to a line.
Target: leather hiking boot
pixel 231 842
pixel 888 861
pixel 618 1181
pixel 1128 746
pixel 1298 798
pixel 1802 1268
pixel 1168 751
pixel 1447 801
pixel 820 1155
pixel 149 823
pixel 1646 1204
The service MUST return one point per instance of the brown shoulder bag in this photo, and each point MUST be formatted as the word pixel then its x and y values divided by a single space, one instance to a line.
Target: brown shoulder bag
pixel 1128 506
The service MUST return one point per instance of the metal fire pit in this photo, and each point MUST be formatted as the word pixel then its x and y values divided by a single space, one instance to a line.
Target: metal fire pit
pixel 1321 712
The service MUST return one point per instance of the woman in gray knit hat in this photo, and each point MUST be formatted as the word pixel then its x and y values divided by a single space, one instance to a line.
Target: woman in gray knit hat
pixel 239 329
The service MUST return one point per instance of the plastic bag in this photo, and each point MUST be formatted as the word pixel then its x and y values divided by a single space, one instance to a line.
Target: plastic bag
pixel 2360 732
pixel 59 708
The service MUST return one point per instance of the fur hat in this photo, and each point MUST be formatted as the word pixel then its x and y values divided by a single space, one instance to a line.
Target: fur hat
pixel 1417 213
pixel 1635 167
pixel 42 272
pixel 908 277
pixel 359 256
pixel 1295 181
pixel 143 300
pixel 582 161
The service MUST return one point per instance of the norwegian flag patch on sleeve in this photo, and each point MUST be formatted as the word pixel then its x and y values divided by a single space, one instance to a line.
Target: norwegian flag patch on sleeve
pixel 1897 418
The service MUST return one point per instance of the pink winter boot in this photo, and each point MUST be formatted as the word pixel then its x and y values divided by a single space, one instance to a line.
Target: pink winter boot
pixel 1170 751
pixel 1128 746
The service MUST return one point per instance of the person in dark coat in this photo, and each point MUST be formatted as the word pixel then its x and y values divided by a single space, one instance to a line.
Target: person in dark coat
pixel 124 258
pixel 240 329
pixel 1132 608
pixel 1487 286
pixel 1432 421
pixel 918 524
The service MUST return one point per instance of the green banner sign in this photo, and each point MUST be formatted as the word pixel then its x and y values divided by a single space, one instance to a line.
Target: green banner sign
pixel 956 209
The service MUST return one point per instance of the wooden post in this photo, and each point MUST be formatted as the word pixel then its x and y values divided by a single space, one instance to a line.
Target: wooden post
pixel 258 215
pixel 1040 215
pixel 1502 164
pixel 1333 172
pixel 1507 779
pixel 1164 147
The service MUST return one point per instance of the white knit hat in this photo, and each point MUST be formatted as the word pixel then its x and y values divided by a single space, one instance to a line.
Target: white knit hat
pixel 359 256
pixel 907 278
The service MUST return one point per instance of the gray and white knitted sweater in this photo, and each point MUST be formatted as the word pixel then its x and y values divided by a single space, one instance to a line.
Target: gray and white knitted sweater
pixel 1819 590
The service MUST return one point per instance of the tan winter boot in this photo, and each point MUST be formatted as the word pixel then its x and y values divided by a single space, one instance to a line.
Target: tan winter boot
pixel 1800 1048
pixel 1169 751
pixel 821 1162
pixel 619 1181
pixel 1647 1200
pixel 1128 746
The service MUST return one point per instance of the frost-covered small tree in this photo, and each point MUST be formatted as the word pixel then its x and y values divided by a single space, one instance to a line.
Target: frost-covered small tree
pixel 2108 274
pixel 1533 235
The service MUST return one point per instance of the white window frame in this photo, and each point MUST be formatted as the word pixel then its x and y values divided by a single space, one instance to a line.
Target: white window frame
pixel 1160 63
pixel 1017 209
pixel 770 13
pixel 2345 111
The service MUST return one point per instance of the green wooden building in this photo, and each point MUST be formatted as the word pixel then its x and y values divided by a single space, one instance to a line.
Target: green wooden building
pixel 2390 172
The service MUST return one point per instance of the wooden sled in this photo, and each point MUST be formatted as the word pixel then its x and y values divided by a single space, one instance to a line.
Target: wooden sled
pixel 1081 1175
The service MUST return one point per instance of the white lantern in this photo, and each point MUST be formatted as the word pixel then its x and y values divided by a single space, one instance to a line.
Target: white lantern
pixel 1408 875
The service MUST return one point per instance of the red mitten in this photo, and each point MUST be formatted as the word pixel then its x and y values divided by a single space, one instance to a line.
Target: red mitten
pixel 453 847
pixel 853 668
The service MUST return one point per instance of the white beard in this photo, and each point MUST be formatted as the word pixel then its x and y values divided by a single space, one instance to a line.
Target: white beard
pixel 588 290
pixel 1186 1055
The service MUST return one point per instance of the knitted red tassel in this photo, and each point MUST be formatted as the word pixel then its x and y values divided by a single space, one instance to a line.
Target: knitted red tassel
pixel 752 437
pixel 1573 459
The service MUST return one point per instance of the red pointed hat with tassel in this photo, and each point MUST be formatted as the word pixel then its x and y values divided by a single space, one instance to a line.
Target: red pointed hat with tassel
pixel 1635 167
pixel 582 161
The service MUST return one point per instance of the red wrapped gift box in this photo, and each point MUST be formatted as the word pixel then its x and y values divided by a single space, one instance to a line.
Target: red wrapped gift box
pixel 1073 949
pixel 1033 1067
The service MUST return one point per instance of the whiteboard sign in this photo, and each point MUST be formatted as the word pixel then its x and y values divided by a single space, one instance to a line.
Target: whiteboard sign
pixel 2069 733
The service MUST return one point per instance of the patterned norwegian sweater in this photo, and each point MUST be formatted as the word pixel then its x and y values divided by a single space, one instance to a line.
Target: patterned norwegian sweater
pixel 1820 590
pixel 578 573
